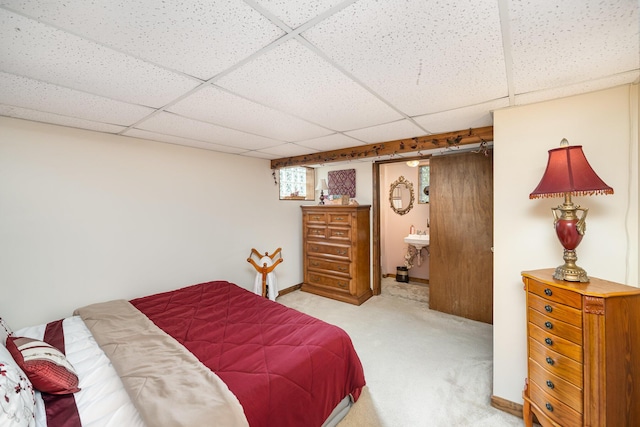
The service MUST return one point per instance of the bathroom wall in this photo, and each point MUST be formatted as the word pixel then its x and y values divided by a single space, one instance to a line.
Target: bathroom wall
pixel 394 228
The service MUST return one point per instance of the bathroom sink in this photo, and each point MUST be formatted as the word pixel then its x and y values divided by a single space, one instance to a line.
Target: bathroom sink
pixel 417 240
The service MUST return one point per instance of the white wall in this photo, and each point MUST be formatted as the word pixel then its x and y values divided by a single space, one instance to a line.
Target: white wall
pixel 86 217
pixel 605 124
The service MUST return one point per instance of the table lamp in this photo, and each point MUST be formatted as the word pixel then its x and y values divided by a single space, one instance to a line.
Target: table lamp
pixel 322 186
pixel 569 173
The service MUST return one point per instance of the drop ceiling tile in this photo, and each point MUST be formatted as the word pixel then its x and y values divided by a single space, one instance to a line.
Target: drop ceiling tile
pixel 387 132
pixel 422 56
pixel 153 136
pixel 44 53
pixel 293 79
pixel 297 13
pixel 474 116
pixel 260 155
pixel 174 125
pixel 578 88
pixel 330 142
pixel 560 43
pixel 217 106
pixel 288 150
pixel 56 119
pixel 48 98
pixel 198 37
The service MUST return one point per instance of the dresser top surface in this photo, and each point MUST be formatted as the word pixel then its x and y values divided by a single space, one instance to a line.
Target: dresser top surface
pixel 595 287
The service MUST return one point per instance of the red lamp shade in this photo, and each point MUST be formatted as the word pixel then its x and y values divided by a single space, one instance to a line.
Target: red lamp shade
pixel 568 171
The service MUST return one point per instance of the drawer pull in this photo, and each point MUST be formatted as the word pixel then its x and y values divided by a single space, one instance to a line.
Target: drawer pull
pixel 549 407
pixel 316 218
pixel 341 252
pixel 548 292
pixel 339 218
pixel 548 308
pixel 342 268
pixel 549 341
pixel 315 264
pixel 550 384
pixel 548 325
pixel 340 233
pixel 550 361
pixel 314 248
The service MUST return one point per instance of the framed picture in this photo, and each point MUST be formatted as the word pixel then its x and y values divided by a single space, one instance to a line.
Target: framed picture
pixel 423 184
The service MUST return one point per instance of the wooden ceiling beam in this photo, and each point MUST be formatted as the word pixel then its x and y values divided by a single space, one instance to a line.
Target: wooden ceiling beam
pixel 400 146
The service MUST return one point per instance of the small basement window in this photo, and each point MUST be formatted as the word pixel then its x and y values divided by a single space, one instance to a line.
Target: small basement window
pixel 297 183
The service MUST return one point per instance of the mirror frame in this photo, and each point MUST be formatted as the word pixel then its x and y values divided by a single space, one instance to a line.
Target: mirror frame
pixel 409 186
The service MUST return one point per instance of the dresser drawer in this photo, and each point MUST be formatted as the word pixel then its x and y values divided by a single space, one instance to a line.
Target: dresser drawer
pixel 332 267
pixel 316 217
pixel 552 293
pixel 556 343
pixel 556 363
pixel 333 282
pixel 555 386
pixel 553 408
pixel 339 233
pixel 556 310
pixel 339 218
pixel 316 231
pixel 562 329
pixel 337 251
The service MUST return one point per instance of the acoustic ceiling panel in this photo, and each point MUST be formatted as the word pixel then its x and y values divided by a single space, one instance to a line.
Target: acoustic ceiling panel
pixel 422 56
pixel 387 132
pixel 198 37
pixel 293 79
pixel 143 134
pixel 219 107
pixel 474 116
pixel 175 125
pixel 42 52
pixel 330 142
pixel 39 116
pixel 297 13
pixel 562 43
pixel 48 98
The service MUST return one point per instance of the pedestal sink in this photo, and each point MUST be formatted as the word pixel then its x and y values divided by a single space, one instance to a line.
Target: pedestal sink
pixel 418 241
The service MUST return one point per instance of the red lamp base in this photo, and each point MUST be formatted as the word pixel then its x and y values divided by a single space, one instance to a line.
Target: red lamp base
pixel 570 230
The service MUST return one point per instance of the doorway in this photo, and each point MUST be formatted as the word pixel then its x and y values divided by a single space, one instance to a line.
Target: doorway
pixel 466 287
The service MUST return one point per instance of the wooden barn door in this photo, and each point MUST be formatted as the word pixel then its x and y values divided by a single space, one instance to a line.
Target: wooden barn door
pixel 461 235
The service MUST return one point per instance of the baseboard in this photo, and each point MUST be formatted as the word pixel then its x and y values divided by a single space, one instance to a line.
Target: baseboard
pixel 289 289
pixel 506 406
pixel 411 279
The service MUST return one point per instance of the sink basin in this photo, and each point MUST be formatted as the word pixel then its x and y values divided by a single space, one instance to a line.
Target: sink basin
pixel 417 240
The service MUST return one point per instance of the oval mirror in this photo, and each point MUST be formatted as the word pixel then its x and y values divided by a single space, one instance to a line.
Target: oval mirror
pixel 401 196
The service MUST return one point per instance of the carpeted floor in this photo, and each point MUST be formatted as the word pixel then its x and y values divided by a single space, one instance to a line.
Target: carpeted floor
pixel 422 367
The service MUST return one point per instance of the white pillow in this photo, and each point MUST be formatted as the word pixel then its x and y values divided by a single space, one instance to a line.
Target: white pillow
pixel 5 331
pixel 17 399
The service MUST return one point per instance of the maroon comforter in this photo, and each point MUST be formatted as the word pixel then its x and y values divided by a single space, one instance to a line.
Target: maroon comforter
pixel 286 368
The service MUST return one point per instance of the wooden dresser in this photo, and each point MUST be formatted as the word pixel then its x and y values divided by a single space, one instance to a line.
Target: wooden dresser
pixel 584 352
pixel 336 252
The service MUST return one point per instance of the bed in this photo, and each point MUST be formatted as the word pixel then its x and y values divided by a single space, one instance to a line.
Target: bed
pixel 208 354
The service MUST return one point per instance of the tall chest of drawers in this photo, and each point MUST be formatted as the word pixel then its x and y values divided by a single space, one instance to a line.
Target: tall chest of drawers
pixel 583 352
pixel 336 252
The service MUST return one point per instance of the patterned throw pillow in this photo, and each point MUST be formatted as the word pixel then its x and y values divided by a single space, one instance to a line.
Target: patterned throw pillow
pixel 17 399
pixel 47 368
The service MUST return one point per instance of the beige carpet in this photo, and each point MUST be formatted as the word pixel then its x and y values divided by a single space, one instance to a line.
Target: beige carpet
pixel 422 367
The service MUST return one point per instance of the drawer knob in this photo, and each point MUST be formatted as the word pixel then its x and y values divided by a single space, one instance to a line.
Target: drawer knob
pixel 548 308
pixel 550 384
pixel 549 341
pixel 549 406
pixel 550 361
pixel 548 325
pixel 548 292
